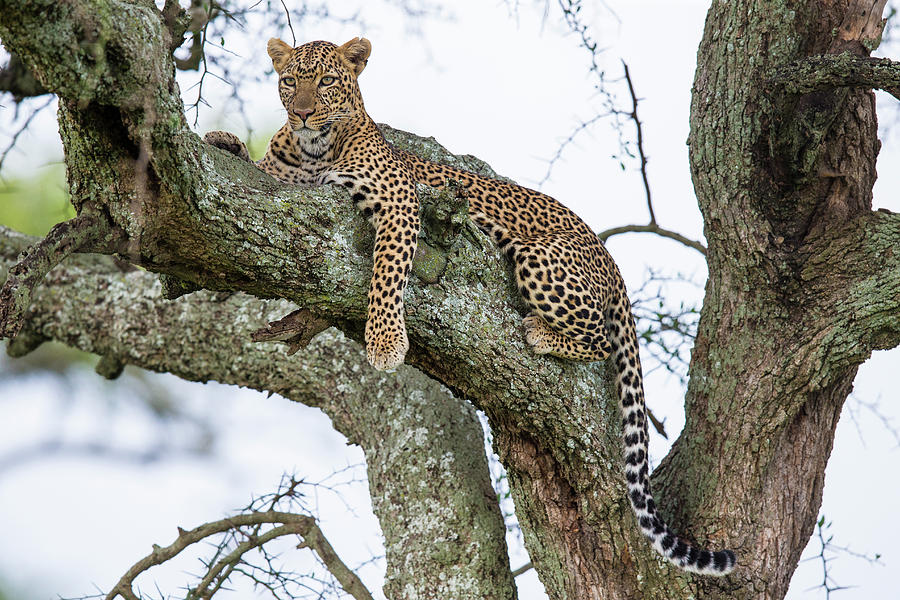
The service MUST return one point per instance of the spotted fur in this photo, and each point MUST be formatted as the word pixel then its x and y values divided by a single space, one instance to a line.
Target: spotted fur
pixel 576 296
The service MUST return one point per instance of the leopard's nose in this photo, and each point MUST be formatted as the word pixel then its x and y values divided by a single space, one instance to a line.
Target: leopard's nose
pixel 304 113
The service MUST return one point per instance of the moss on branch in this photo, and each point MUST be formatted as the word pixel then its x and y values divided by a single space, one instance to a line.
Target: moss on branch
pixel 832 71
pixel 204 337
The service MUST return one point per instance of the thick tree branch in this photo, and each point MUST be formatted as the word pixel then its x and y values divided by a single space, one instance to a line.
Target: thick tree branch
pixel 782 178
pixel 830 71
pixel 198 338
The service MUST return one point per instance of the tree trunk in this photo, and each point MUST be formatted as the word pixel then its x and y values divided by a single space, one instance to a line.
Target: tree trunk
pixel 804 283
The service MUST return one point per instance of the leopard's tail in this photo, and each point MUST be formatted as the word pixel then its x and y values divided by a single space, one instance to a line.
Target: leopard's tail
pixel 629 382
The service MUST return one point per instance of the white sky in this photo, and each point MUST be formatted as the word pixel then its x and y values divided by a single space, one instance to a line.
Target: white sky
pixel 507 90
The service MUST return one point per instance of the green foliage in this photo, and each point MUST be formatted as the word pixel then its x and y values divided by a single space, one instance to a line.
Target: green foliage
pixel 35 204
pixel 257 145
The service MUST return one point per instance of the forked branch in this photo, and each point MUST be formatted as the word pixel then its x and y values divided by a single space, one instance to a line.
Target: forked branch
pixel 286 524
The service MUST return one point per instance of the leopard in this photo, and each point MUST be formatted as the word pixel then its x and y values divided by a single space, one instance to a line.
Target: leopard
pixel 577 304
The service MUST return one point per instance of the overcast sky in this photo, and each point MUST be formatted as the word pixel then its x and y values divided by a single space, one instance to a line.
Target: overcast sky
pixel 506 88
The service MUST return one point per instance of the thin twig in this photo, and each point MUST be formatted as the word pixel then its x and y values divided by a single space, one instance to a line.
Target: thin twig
pixel 21 129
pixel 581 127
pixel 828 583
pixel 640 142
pixel 653 228
pixel 287 14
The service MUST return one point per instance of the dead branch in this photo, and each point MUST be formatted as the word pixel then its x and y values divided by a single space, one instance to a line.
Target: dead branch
pixel 288 524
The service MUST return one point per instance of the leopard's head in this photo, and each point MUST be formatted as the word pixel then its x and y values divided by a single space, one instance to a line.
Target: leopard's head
pixel 317 81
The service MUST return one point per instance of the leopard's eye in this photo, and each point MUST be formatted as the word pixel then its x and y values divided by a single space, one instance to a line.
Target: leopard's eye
pixel 288 80
pixel 327 80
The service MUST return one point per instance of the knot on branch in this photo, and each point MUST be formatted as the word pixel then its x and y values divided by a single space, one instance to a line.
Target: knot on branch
pixel 174 287
pixel 444 213
pixel 110 367
pixel 26 342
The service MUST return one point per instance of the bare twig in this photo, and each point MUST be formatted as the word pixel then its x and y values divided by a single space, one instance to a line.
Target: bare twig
pixel 666 333
pixel 826 546
pixel 563 145
pixel 287 14
pixel 653 228
pixel 854 404
pixel 640 142
pixel 287 524
pixel 571 10
pixel 22 128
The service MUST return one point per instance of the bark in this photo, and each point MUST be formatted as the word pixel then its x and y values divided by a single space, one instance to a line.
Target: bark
pixel 803 285
pixel 804 278
pixel 424 448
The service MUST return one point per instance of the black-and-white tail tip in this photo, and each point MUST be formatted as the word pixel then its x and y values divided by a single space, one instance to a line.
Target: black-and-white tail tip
pixel 634 424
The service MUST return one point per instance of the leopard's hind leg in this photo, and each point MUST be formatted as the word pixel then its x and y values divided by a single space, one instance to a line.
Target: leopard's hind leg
pixel 566 318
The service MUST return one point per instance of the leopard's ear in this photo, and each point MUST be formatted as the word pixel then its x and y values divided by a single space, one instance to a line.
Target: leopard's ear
pixel 356 52
pixel 279 52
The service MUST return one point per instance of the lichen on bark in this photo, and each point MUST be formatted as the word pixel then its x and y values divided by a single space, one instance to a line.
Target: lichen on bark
pixel 802 285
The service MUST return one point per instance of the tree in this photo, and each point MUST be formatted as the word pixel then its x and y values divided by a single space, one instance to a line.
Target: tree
pixel 803 286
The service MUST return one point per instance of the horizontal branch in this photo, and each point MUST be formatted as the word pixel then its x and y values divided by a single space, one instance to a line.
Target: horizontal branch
pixel 817 73
pixel 653 228
pixel 198 336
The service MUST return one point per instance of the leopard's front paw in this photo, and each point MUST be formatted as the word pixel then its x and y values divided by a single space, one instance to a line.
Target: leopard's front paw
pixel 538 334
pixel 229 142
pixel 386 348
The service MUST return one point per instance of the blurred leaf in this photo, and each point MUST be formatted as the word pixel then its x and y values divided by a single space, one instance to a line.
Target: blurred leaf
pixel 35 204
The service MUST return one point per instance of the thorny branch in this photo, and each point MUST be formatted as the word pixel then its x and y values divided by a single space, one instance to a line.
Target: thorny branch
pixel 572 14
pixel 243 534
pixel 640 141
pixel 826 555
pixel 652 226
pixel 666 333
pixel 855 405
